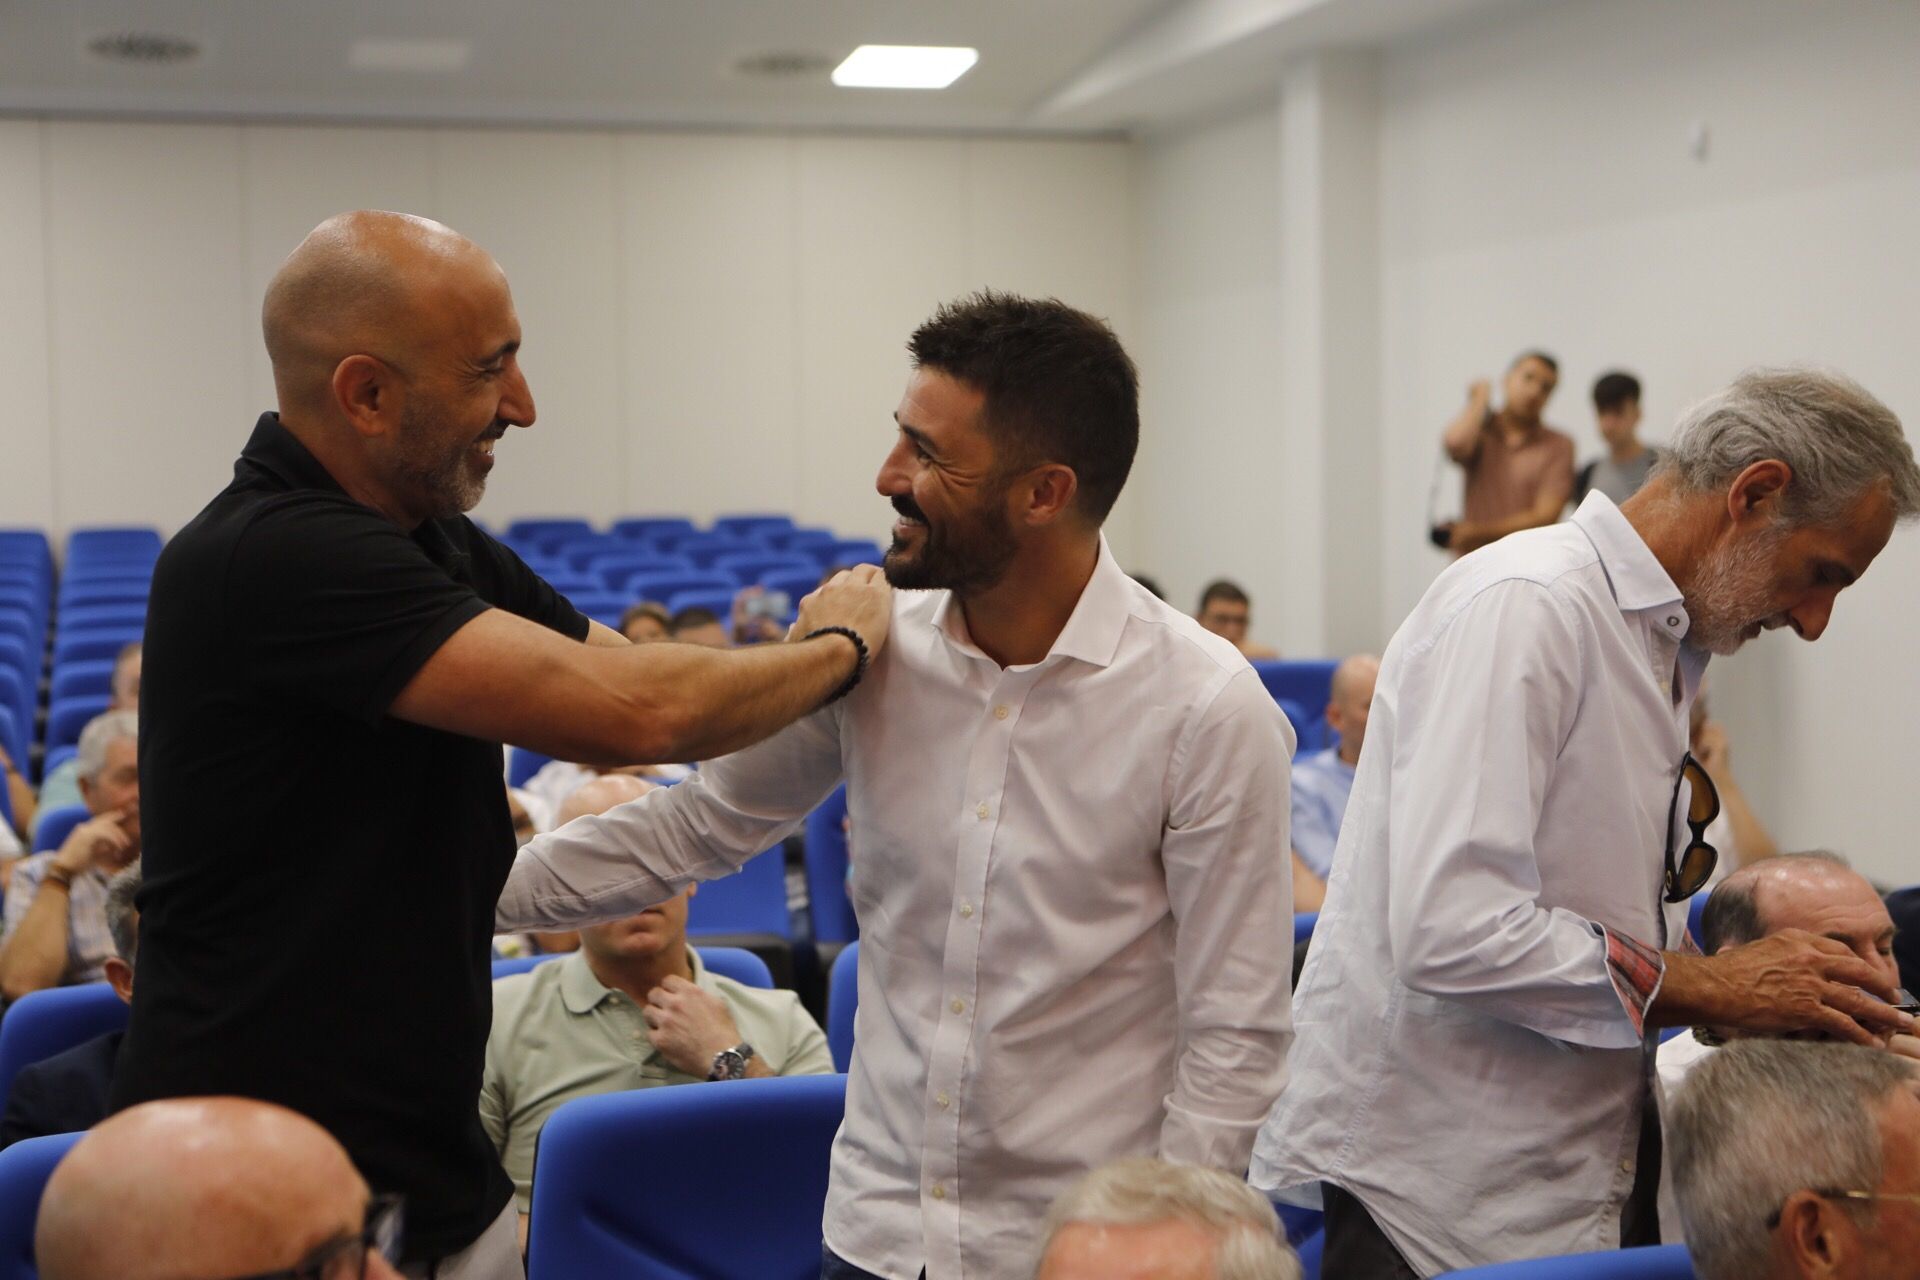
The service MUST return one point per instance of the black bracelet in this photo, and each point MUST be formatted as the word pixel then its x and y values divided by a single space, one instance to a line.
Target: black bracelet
pixel 859 667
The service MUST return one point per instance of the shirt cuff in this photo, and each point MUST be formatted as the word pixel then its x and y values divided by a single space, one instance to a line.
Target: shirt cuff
pixel 1636 970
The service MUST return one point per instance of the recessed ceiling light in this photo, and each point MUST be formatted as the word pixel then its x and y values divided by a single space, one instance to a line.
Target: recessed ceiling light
pixel 904 66
pixel 410 55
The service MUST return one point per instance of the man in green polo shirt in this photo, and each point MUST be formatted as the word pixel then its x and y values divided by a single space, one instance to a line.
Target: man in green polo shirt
pixel 631 1009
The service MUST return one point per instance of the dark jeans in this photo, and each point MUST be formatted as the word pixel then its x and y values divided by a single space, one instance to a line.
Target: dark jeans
pixel 1357 1249
pixel 835 1267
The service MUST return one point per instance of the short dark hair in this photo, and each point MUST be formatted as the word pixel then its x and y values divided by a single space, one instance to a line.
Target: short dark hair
pixel 645 609
pixel 1612 390
pixel 1059 387
pixel 694 615
pixel 1536 354
pixel 1732 914
pixel 1222 589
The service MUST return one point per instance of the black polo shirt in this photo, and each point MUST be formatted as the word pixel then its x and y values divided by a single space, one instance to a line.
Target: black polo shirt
pixel 319 878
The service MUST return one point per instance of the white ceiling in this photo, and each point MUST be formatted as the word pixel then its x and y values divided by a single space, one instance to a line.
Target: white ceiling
pixel 1053 65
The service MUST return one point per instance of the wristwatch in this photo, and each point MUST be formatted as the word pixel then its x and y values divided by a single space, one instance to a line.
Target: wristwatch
pixel 731 1064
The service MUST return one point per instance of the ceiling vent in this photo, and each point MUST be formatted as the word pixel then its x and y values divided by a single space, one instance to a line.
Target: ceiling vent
pixel 144 49
pixel 788 65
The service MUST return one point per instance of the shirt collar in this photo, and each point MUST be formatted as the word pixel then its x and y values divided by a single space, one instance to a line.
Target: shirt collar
pixel 277 451
pixel 1092 633
pixel 581 992
pixel 1639 582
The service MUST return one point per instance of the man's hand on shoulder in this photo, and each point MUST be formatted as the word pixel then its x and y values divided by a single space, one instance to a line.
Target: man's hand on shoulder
pixel 858 599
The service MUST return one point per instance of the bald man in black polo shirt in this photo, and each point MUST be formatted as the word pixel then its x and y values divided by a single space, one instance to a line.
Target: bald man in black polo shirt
pixel 334 654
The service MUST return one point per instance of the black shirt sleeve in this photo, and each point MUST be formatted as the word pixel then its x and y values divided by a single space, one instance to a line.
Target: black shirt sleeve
pixel 328 604
pixel 519 589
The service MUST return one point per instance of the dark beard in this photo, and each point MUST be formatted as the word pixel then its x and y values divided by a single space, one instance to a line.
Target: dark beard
pixel 443 480
pixel 963 559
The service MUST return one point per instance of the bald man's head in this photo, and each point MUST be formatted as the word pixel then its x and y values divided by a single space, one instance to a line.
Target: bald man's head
pixel 600 795
pixel 1349 701
pixel 394 346
pixel 1815 891
pixel 199 1187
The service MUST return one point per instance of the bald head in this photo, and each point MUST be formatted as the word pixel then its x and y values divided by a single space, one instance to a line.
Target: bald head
pixel 600 795
pixel 1349 700
pixel 191 1188
pixel 1815 891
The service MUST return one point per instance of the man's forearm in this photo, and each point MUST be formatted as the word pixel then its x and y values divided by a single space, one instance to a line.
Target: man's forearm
pixel 35 955
pixel 749 694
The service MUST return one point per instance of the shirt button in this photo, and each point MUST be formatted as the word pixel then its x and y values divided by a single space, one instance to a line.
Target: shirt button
pixel 966 910
pixel 958 1006
pixel 1002 711
pixel 1626 1166
pixel 982 811
pixel 1673 622
pixel 942 1100
pixel 939 1191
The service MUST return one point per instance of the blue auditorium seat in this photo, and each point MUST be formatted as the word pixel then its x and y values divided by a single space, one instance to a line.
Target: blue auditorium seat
pixel 101 542
pixel 752 526
pixel 14 737
pixel 116 569
pixel 613 568
pixel 131 615
pixel 43 1023
pixel 67 718
pixel 540 530
pixel 661 586
pixel 25 1168
pixel 755 566
pixel 1303 922
pixel 93 644
pixel 765 1141
pixel 843 553
pixel 826 856
pixel 578 553
pixel 29 631
pixel 751 902
pixel 639 529
pixel 798 585
pixel 1308 682
pixel 1310 1251
pixel 843 1004
pixel 795 539
pixel 19 694
pixel 99 591
pixel 707 552
pixel 1661 1262
pixel 523 763
pixel 15 656
pixel 720 600
pixel 52 826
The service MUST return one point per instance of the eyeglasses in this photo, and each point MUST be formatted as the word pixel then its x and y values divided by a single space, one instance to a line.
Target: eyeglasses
pixel 1690 872
pixel 1827 1193
pixel 345 1258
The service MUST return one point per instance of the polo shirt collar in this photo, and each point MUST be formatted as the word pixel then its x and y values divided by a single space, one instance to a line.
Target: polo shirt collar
pixel 582 993
pixel 1639 583
pixel 277 451
pixel 1092 633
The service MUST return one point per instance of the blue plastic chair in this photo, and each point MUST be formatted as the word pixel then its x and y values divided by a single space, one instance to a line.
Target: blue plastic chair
pixel 51 827
pixel 18 695
pixel 707 552
pixel 766 1141
pixel 97 617
pixel 25 1168
pixel 794 539
pixel 842 553
pixel 612 569
pixel 1660 1262
pixel 69 717
pixel 15 656
pixel 843 1002
pixel 1310 1251
pixel 1303 922
pixel 1308 682
pixel 578 553
pixel 751 902
pixel 22 626
pixel 827 863
pixel 755 566
pixel 719 600
pixel 92 644
pixel 729 962
pixel 13 736
pixel 752 525
pixel 661 587
pixel 547 528
pixel 798 584
pixel 43 1023
pixel 26 600
pixel 641 528
pixel 102 542
pixel 570 583
pixel 118 569
pixel 120 591
pixel 1302 722
pixel 523 763
pixel 55 757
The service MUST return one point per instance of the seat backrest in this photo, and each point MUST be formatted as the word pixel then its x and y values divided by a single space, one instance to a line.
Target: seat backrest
pixel 755 566
pixel 52 826
pixel 797 583
pixel 13 736
pixel 753 900
pixel 765 1141
pixel 68 717
pixel 25 1168
pixel 827 864
pixel 43 1023
pixel 640 528
pixel 536 530
pixel 659 587
pixel 92 644
pixel 846 552
pixel 752 526
pixel 91 679
pixel 843 1002
pixel 717 599
pixel 1303 922
pixel 1308 682
pixel 1660 1262
pixel 706 552
pixel 523 763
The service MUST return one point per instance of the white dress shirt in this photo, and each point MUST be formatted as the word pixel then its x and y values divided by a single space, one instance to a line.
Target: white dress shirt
pixel 1471 1063
pixel 1074 898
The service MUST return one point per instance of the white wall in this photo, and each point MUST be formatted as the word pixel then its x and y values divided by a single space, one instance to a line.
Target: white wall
pixel 713 322
pixel 1537 189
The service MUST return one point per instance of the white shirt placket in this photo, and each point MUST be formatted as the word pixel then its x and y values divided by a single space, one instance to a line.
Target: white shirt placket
pixel 989 761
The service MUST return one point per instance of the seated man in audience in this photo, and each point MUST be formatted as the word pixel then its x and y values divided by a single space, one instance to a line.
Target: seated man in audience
pixel 212 1187
pixel 632 1009
pixel 62 785
pixel 57 904
pixel 1793 1159
pixel 1226 611
pixel 1323 781
pixel 695 625
pixel 1628 462
pixel 1815 891
pixel 1143 1219
pixel 646 623
pixel 760 616
pixel 1519 469
pixel 68 1091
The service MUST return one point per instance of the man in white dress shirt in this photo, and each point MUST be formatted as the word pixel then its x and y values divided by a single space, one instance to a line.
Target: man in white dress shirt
pixel 1501 934
pixel 1073 883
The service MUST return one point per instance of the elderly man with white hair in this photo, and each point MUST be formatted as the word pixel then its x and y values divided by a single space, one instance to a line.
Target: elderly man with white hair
pixel 1795 1160
pixel 1145 1219
pixel 57 904
pixel 1501 939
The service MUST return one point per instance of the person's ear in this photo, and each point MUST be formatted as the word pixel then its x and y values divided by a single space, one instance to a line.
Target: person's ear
pixel 1759 492
pixel 120 976
pixel 1047 493
pixel 367 392
pixel 1813 1235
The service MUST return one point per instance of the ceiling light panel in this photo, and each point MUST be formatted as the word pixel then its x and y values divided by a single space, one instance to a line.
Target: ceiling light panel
pixel 904 66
